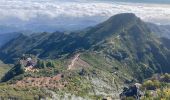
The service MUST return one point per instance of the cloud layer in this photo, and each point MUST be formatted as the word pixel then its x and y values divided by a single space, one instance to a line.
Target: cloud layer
pixel 50 15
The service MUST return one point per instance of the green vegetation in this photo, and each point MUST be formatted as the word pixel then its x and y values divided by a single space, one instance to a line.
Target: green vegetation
pixel 16 70
pixel 157 89
pixel 4 68
pixel 45 64
pixel 11 92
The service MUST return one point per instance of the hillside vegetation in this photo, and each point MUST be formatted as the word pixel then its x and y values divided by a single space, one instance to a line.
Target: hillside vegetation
pixel 4 68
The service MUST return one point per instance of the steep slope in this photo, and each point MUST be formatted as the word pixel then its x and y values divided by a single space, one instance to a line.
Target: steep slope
pixel 165 42
pixel 4 68
pixel 113 25
pixel 4 38
pixel 20 45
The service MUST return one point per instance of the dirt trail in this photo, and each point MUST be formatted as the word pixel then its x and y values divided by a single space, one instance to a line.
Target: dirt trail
pixel 73 62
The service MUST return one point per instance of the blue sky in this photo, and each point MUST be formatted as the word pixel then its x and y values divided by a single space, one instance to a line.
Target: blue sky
pixel 62 15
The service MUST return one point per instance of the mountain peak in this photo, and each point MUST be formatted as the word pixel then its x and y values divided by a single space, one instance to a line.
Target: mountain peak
pixel 115 24
pixel 123 16
pixel 123 19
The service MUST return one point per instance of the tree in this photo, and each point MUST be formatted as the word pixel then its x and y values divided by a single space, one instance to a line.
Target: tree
pixel 50 64
pixel 43 65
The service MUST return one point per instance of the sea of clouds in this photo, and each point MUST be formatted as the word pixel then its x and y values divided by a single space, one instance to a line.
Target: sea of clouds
pixel 62 15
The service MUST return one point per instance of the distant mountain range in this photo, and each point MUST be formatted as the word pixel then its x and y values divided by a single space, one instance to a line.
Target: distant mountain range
pixel 160 30
pixel 4 38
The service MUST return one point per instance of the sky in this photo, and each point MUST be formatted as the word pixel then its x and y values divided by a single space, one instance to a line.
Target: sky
pixel 69 15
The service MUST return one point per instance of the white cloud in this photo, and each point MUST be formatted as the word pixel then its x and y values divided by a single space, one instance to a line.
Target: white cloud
pixel 66 14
